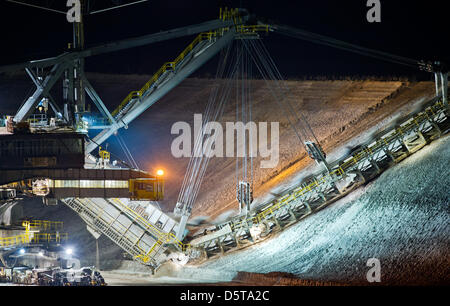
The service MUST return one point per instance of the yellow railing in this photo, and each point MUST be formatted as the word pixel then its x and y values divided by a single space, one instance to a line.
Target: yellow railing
pixel 30 238
pixel 104 155
pixel 43 224
pixel 48 238
pixel 165 67
pixel 171 66
pixel 15 240
pixel 162 236
pixel 229 14
pixel 252 29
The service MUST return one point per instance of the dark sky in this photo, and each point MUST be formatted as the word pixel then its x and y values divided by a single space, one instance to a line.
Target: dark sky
pixel 412 29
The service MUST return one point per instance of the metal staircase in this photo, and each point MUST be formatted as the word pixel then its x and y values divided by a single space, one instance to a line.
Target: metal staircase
pixel 139 237
pixel 205 46
pixel 202 48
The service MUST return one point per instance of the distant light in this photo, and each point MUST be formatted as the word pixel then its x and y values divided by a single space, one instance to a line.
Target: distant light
pixel 160 172
pixel 69 251
pixel 41 254
pixel 22 251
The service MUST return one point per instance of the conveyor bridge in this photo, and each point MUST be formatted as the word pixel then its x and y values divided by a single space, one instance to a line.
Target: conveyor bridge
pixel 149 239
pixel 390 147
pixel 146 240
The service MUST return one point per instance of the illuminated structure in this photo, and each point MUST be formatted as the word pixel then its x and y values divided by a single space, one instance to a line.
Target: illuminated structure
pixel 62 166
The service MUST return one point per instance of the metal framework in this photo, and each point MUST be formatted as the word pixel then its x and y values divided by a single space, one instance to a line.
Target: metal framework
pixel 148 239
pixel 390 147
pixel 32 234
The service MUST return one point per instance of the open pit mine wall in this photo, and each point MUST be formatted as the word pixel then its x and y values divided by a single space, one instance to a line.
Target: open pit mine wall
pixel 388 148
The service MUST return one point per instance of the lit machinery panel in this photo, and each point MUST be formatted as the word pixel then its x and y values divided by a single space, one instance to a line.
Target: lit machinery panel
pixel 146 189
pixel 46 150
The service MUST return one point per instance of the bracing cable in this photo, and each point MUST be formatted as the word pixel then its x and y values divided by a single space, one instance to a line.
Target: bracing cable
pixel 244 170
pixel 275 94
pixel 279 91
pixel 331 42
pixel 287 90
pixel 200 158
pixel 126 151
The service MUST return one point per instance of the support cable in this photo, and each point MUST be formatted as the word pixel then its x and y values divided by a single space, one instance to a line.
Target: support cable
pixel 200 157
pixel 266 78
pixel 126 151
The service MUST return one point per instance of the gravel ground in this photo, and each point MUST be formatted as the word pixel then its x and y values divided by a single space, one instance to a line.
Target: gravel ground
pixel 401 218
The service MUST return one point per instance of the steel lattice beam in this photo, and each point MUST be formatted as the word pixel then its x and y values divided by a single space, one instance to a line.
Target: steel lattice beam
pixel 41 91
pixel 124 44
pixel 178 77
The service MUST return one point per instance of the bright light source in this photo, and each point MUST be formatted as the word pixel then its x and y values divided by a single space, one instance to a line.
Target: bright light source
pixel 69 251
pixel 22 251
pixel 160 172
pixel 41 254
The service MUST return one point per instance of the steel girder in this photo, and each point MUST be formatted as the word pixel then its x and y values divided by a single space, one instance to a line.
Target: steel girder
pixel 197 61
pixel 41 91
pixel 124 44
pixel 38 84
pixel 97 100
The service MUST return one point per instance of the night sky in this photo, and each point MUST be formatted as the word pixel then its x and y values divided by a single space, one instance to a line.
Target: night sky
pixel 412 29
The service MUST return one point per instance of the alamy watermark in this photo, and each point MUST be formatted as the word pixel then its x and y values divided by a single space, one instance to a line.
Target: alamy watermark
pixel 212 142
pixel 74 12
pixel 374 13
pixel 374 273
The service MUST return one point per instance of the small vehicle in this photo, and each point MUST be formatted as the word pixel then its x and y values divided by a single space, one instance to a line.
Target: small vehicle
pixel 5 275
pixel 86 276
pixel 45 277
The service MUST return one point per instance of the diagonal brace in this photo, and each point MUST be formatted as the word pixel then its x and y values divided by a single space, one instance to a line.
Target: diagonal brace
pixel 38 84
pixel 42 91
pixel 97 100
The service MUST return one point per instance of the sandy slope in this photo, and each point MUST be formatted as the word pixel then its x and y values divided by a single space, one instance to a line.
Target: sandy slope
pixel 335 109
pixel 401 218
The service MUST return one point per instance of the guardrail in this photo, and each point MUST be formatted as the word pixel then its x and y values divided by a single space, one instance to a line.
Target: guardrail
pixel 348 164
pixel 43 224
pixel 173 65
pixel 15 240
pixel 33 238
pixel 30 236
pixel 162 236
pixel 49 237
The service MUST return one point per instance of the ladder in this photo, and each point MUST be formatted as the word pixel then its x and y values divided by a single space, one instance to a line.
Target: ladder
pixel 141 239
